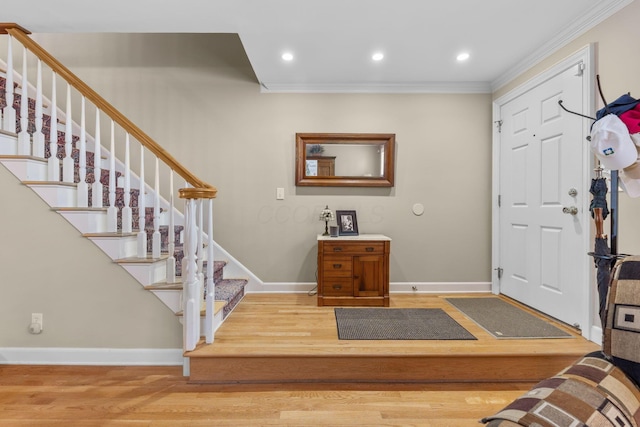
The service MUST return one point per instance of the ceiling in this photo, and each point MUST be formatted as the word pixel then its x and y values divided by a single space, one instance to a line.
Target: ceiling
pixel 332 41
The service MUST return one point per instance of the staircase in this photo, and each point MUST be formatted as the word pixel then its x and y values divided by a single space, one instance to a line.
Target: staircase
pixel 167 251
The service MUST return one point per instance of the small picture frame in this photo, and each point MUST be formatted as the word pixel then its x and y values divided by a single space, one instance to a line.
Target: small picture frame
pixel 347 223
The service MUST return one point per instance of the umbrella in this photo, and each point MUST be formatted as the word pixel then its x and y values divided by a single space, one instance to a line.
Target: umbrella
pixel 602 254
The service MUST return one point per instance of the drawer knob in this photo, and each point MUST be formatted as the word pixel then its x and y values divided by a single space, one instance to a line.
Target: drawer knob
pixel 369 249
pixel 337 265
pixel 337 249
pixel 337 287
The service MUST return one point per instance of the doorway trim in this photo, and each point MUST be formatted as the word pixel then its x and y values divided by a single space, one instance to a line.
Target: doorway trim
pixel 590 330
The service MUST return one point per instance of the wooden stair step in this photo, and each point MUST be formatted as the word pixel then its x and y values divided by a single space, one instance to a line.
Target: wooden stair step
pixel 111 234
pixel 217 306
pixel 137 260
pixel 170 286
pixel 287 338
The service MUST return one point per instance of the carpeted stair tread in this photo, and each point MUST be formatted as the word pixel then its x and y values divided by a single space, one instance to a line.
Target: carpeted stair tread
pixel 230 290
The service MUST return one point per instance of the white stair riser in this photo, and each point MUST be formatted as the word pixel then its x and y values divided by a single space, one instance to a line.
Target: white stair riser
pixel 217 322
pixel 117 248
pixel 147 273
pixel 26 169
pixel 87 221
pixel 170 297
pixel 59 196
pixel 8 144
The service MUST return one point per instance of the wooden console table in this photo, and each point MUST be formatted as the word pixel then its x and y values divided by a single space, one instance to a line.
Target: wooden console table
pixel 353 270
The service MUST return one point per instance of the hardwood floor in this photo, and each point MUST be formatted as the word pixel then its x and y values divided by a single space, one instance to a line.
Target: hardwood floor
pixel 292 326
pixel 43 396
pixel 288 338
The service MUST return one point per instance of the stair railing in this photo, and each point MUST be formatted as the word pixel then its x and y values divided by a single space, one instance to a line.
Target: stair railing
pixel 61 168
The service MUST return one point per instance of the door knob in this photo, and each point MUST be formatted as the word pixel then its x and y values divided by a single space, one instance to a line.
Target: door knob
pixel 572 210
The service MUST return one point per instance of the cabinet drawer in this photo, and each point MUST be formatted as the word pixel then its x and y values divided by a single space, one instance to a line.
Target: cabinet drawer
pixel 338 287
pixel 334 266
pixel 353 247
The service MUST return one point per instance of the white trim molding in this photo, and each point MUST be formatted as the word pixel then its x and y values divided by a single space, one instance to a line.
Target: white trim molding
pixel 394 288
pixel 91 356
pixel 585 57
pixel 424 87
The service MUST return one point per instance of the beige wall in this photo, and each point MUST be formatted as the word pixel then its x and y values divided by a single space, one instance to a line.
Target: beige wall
pixel 87 300
pixel 201 102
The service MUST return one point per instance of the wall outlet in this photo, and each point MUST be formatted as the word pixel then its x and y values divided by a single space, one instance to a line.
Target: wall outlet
pixel 36 323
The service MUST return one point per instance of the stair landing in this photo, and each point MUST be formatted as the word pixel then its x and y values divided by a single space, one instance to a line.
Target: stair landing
pixel 280 338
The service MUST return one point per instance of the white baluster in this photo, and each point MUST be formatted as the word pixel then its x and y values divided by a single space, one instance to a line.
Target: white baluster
pixel 67 162
pixel 54 162
pixel 96 187
pixel 38 136
pixel 155 241
pixel 112 211
pixel 8 112
pixel 127 215
pixel 211 293
pixel 142 235
pixel 200 248
pixel 83 188
pixel 191 308
pixel 24 139
pixel 171 261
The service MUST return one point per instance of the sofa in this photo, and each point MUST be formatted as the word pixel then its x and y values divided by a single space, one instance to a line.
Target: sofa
pixel 590 392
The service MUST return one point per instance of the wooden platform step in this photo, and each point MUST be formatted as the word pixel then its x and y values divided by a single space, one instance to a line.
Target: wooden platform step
pixel 286 338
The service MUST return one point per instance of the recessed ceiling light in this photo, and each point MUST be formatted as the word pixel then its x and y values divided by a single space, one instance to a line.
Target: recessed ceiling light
pixel 378 56
pixel 287 56
pixel 463 56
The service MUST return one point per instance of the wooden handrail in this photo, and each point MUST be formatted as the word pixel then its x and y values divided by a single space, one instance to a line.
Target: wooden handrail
pixel 204 190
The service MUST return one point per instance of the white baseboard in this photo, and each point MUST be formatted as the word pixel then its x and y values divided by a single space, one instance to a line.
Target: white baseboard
pixel 439 287
pixel 596 334
pixel 394 288
pixel 91 356
pixel 173 357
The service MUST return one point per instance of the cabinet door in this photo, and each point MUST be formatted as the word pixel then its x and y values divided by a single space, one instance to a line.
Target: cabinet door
pixel 368 276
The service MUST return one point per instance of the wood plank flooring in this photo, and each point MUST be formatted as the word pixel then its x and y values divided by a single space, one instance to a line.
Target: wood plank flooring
pixel 288 338
pixel 272 325
pixel 87 396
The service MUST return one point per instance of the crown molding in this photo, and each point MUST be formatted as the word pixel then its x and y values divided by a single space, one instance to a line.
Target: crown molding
pixel 400 88
pixel 584 23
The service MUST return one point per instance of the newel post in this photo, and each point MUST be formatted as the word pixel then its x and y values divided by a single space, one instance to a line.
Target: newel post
pixel 192 285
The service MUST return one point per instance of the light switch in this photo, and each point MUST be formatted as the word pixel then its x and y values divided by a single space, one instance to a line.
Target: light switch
pixel 279 193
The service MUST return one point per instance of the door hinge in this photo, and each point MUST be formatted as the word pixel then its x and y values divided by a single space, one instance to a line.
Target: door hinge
pixel 499 200
pixel 500 271
pixel 499 123
pixel 580 69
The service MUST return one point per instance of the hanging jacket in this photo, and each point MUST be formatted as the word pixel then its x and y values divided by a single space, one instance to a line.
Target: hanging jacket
pixel 624 103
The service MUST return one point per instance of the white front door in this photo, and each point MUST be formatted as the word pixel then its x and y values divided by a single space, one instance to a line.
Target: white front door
pixel 544 194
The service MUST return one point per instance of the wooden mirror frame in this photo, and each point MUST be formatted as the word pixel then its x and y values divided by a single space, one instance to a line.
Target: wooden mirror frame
pixel 386 140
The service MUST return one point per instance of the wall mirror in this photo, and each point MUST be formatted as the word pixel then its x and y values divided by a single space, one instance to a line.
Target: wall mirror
pixel 345 159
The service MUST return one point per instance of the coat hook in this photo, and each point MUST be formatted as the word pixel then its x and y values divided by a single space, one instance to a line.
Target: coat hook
pixel 573 112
